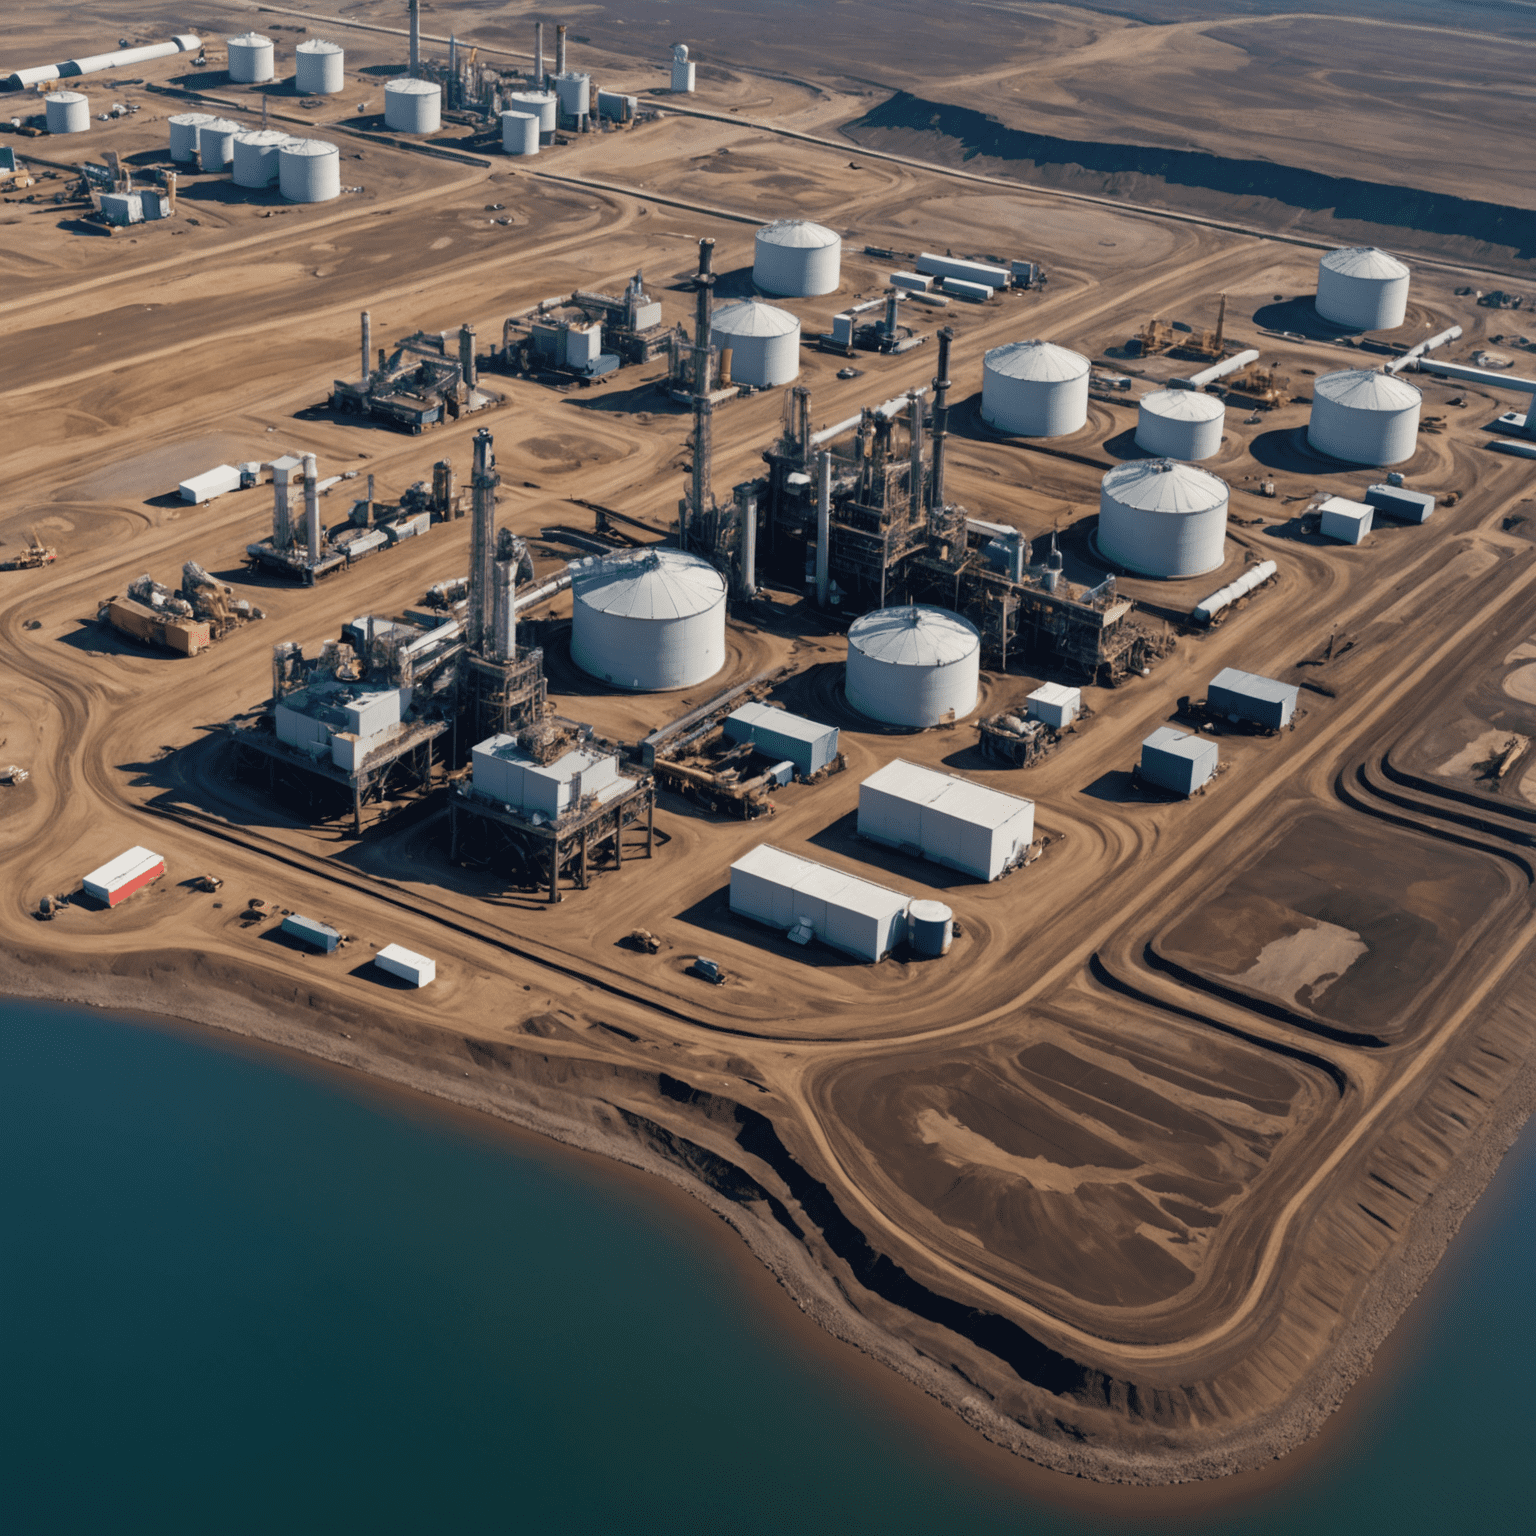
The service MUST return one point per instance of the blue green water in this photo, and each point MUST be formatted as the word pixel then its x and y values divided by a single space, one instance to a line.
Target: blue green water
pixel 242 1293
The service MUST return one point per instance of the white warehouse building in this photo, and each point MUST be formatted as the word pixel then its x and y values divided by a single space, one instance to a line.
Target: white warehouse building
pixel 1363 288
pixel 650 621
pixel 1034 388
pixel 806 900
pixel 1161 518
pixel 797 259
pixel 939 816
pixel 1364 417
pixel 764 343
pixel 1180 424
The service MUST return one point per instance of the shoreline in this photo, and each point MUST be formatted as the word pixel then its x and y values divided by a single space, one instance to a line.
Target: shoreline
pixel 817 1294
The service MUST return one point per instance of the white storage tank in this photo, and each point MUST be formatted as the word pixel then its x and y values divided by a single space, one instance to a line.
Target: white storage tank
pixel 251 59
pixel 682 70
pixel 216 144
pixel 573 92
pixel 413 106
pixel 1034 388
pixel 318 68
pixel 1363 288
pixel 520 133
pixel 1180 424
pixel 308 171
pixel 1364 417
pixel 255 156
pixel 67 112
pixel 541 103
pixel 650 621
pixel 184 126
pixel 764 342
pixel 913 666
pixel 1162 518
pixel 797 259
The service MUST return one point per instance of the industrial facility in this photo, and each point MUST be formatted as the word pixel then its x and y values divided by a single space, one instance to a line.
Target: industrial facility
pixel 186 621
pixel 431 376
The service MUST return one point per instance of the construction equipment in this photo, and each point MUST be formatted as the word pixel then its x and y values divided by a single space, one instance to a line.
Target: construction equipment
pixel 645 941
pixel 1156 336
pixel 1211 344
pixel 208 883
pixel 1261 388
pixel 34 555
pixel 707 970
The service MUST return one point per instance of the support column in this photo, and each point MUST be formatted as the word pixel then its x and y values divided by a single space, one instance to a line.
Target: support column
pixel 554 869
pixel 650 823
pixel 823 527
pixel 585 833
pixel 357 809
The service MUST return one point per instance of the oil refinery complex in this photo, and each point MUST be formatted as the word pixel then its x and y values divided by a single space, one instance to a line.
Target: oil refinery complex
pixel 1059 672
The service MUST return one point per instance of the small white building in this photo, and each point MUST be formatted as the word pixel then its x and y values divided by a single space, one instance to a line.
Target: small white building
pixel 939 816
pixel 502 771
pixel 1177 760
pixel 1345 520
pixel 397 960
pixel 1055 704
pixel 806 900
pixel 212 482
pixel 340 723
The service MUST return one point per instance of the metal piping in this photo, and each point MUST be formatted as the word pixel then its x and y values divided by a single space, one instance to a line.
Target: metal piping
pixel 887 411
pixel 915 467
pixel 823 527
pixel 94 64
pixel 940 419
pixel 311 508
pixel 1484 376
pixel 1221 370
pixel 1399 363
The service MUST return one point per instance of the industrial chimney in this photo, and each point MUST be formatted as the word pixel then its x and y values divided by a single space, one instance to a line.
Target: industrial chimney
pixel 940 419
pixel 538 55
pixel 367 348
pixel 484 481
pixel 415 37
pixel 509 554
pixel 311 509
pixel 560 49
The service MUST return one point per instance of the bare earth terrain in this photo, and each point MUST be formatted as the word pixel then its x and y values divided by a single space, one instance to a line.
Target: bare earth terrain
pixel 1139 1176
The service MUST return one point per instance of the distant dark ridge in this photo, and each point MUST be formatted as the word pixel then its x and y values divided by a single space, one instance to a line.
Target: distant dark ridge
pixel 1368 202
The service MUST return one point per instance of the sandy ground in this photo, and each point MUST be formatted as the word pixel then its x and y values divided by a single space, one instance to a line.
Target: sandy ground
pixel 1140 1174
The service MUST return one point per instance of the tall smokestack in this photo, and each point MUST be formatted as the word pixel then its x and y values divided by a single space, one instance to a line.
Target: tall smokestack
pixel 890 315
pixel 481 543
pixel 467 355
pixel 915 469
pixel 503 644
pixel 415 37
pixel 823 527
pixel 367 347
pixel 940 419
pixel 703 334
pixel 538 55
pixel 746 502
pixel 560 49
pixel 282 519
pixel 311 509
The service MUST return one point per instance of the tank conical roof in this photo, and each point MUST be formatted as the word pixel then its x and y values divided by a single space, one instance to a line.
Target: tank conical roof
pixel 1183 405
pixel 313 147
pixel 1363 389
pixel 798 232
pixel 658 584
pixel 914 636
pixel 1364 261
pixel 317 45
pixel 251 40
pixel 1041 360
pixel 751 317
pixel 1165 485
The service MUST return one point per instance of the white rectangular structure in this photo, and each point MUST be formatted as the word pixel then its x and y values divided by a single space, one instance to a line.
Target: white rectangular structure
pixel 846 913
pixel 405 963
pixel 1176 760
pixel 501 770
pixel 950 820
pixel 963 288
pixel 211 483
pixel 1055 704
pixel 119 878
pixel 980 272
pixel 1345 520
pixel 913 282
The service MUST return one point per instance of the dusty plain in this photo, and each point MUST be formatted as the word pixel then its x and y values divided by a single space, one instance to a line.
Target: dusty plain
pixel 1138 1177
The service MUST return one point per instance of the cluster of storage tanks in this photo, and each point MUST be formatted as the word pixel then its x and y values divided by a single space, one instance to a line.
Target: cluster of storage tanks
pixel 304 170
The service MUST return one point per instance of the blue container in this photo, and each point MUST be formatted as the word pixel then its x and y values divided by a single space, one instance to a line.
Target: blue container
pixel 307 931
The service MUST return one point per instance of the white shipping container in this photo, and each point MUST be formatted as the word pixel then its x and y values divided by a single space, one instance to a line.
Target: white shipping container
pixel 405 963
pixel 1345 520
pixel 1055 704
pixel 211 483
pixel 783 890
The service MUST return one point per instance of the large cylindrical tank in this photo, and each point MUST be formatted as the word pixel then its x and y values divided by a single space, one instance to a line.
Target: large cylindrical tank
pixel 914 666
pixel 1363 288
pixel 184 128
pixel 1162 518
pixel 541 103
pixel 930 927
pixel 1180 424
pixel 573 92
pixel 251 59
pixel 68 112
pixel 520 133
pixel 413 106
pixel 255 156
pixel 1364 417
pixel 797 259
pixel 308 171
pixel 1034 388
pixel 650 621
pixel 764 342
pixel 318 67
pixel 216 143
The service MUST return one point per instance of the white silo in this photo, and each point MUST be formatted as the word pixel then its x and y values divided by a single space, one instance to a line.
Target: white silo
pixel 797 259
pixel 573 93
pixel 1034 388
pixel 520 133
pixel 1363 288
pixel 914 666
pixel 649 621
pixel 308 171
pixel 67 112
pixel 255 156
pixel 252 59
pixel 1180 424
pixel 1161 518
pixel 318 68
pixel 682 70
pixel 764 342
pixel 1364 417
pixel 216 143
pixel 184 126
pixel 541 103
pixel 413 106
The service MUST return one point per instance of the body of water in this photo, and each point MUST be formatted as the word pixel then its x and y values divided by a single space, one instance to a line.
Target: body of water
pixel 242 1293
